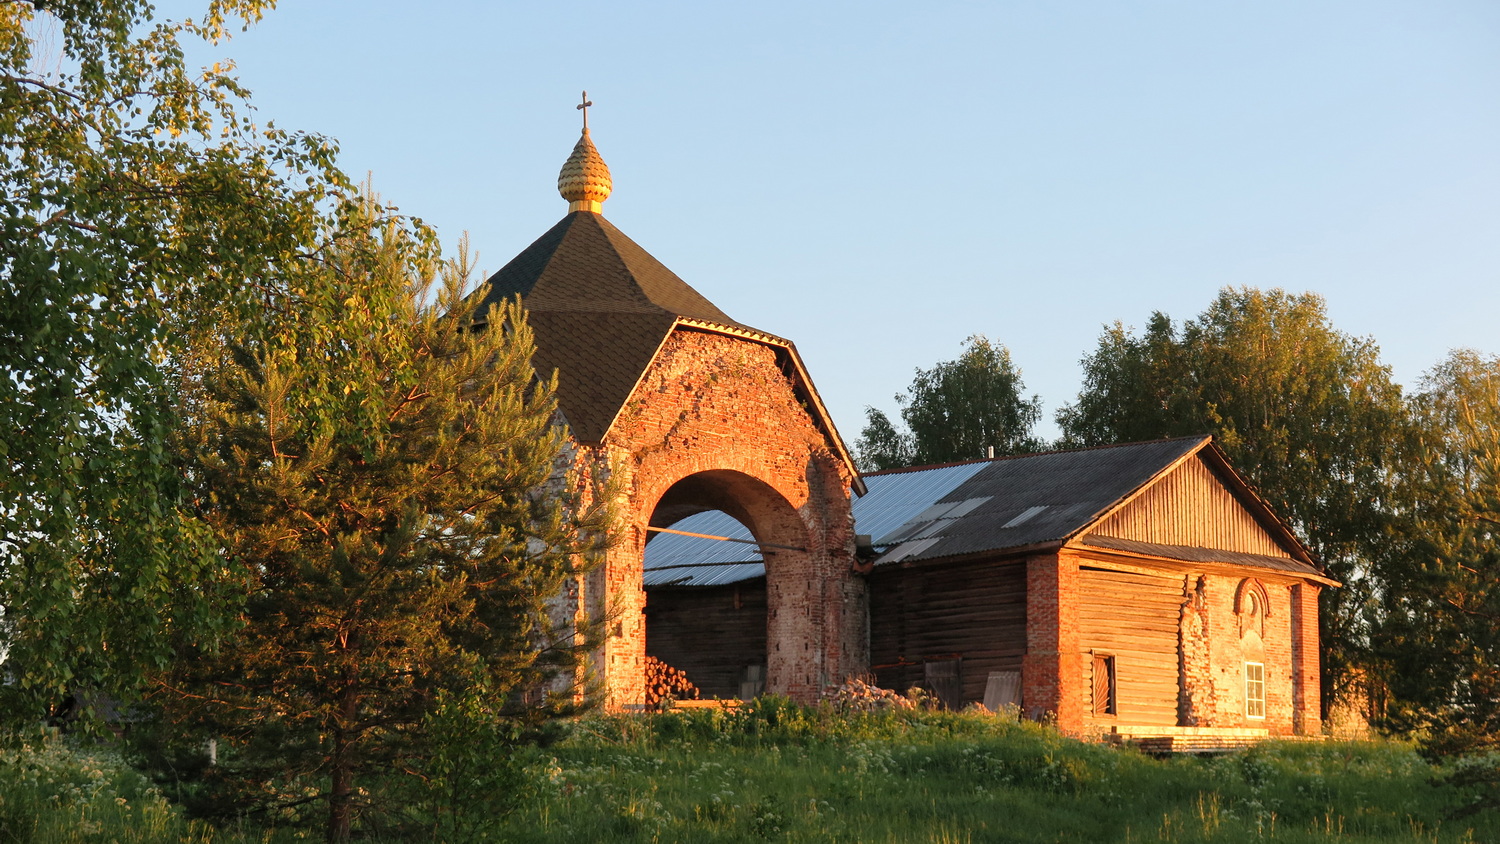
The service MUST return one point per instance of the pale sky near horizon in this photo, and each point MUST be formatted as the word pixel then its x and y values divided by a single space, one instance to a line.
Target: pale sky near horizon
pixel 877 181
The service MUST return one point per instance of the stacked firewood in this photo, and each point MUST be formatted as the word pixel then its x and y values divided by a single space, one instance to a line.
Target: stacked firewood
pixel 856 695
pixel 665 683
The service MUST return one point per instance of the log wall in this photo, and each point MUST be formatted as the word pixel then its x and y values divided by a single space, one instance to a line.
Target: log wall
pixel 712 633
pixel 1134 618
pixel 975 612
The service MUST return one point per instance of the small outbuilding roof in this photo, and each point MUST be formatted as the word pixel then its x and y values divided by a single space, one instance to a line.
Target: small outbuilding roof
pixel 1006 505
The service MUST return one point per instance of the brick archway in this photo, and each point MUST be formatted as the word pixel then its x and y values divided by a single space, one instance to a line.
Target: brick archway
pixel 657 384
pixel 716 423
pixel 786 645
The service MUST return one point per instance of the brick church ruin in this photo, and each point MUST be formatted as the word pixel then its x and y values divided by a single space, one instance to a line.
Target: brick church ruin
pixel 1137 587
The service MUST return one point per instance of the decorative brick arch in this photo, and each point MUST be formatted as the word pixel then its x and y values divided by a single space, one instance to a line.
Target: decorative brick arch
pixel 720 422
pixel 1252 606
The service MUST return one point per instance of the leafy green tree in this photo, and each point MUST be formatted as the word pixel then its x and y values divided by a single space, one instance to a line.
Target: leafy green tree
pixel 1309 414
pixel 134 203
pixel 1439 636
pixel 387 481
pixel 957 410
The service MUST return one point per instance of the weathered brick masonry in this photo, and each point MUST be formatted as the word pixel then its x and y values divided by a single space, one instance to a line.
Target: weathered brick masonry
pixel 716 424
pixel 1051 678
pixel 682 409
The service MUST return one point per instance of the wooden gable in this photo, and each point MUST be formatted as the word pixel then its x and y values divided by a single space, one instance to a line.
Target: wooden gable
pixel 1192 505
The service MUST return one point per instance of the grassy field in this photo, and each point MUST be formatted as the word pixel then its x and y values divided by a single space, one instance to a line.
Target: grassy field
pixel 804 775
pixel 778 772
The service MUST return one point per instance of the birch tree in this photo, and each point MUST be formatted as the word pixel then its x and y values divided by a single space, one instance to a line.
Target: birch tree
pixel 138 198
pixel 957 410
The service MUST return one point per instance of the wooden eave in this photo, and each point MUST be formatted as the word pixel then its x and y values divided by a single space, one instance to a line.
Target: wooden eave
pixel 1117 559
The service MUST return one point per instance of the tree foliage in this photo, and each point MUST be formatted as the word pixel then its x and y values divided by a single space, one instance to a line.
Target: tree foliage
pixel 386 481
pixel 1440 633
pixel 1309 414
pixel 957 410
pixel 135 201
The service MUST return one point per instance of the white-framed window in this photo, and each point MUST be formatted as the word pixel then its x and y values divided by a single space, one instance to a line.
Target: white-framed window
pixel 1255 690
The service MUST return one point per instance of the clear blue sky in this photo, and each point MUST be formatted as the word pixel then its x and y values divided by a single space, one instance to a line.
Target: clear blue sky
pixel 876 181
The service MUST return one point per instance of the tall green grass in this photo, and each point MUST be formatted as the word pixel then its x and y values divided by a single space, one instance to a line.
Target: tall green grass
pixel 785 773
pixel 51 792
pixel 774 771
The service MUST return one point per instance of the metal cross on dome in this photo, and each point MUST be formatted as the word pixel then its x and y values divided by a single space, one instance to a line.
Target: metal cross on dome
pixel 584 107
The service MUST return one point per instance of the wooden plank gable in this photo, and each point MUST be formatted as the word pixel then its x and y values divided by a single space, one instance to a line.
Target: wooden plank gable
pixel 1191 506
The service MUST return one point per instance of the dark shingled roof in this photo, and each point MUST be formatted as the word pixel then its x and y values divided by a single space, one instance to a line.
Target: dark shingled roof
pixel 1037 499
pixel 1047 499
pixel 600 307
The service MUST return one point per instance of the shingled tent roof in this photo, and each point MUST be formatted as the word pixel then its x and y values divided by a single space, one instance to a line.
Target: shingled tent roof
pixel 600 307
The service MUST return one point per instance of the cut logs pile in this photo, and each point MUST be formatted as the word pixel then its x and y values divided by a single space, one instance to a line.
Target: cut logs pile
pixel 856 695
pixel 665 683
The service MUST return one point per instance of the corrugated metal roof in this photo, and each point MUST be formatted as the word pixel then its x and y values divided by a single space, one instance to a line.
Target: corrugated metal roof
pixel 892 499
pixel 675 560
pixel 895 497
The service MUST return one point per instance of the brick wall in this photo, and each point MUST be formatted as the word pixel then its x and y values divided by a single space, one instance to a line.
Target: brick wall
pixel 1051 678
pixel 1198 701
pixel 1234 639
pixel 715 423
pixel 1306 670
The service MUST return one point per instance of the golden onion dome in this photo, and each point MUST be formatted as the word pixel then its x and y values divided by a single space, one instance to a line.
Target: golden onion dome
pixel 584 181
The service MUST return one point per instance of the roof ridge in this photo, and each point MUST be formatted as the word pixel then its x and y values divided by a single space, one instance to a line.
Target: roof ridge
pixel 1004 457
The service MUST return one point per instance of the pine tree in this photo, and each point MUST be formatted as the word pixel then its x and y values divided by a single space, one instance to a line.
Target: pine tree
pixel 386 480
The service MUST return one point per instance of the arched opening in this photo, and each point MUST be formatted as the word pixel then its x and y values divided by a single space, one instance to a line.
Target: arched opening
pixel 706 607
pixel 722 610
